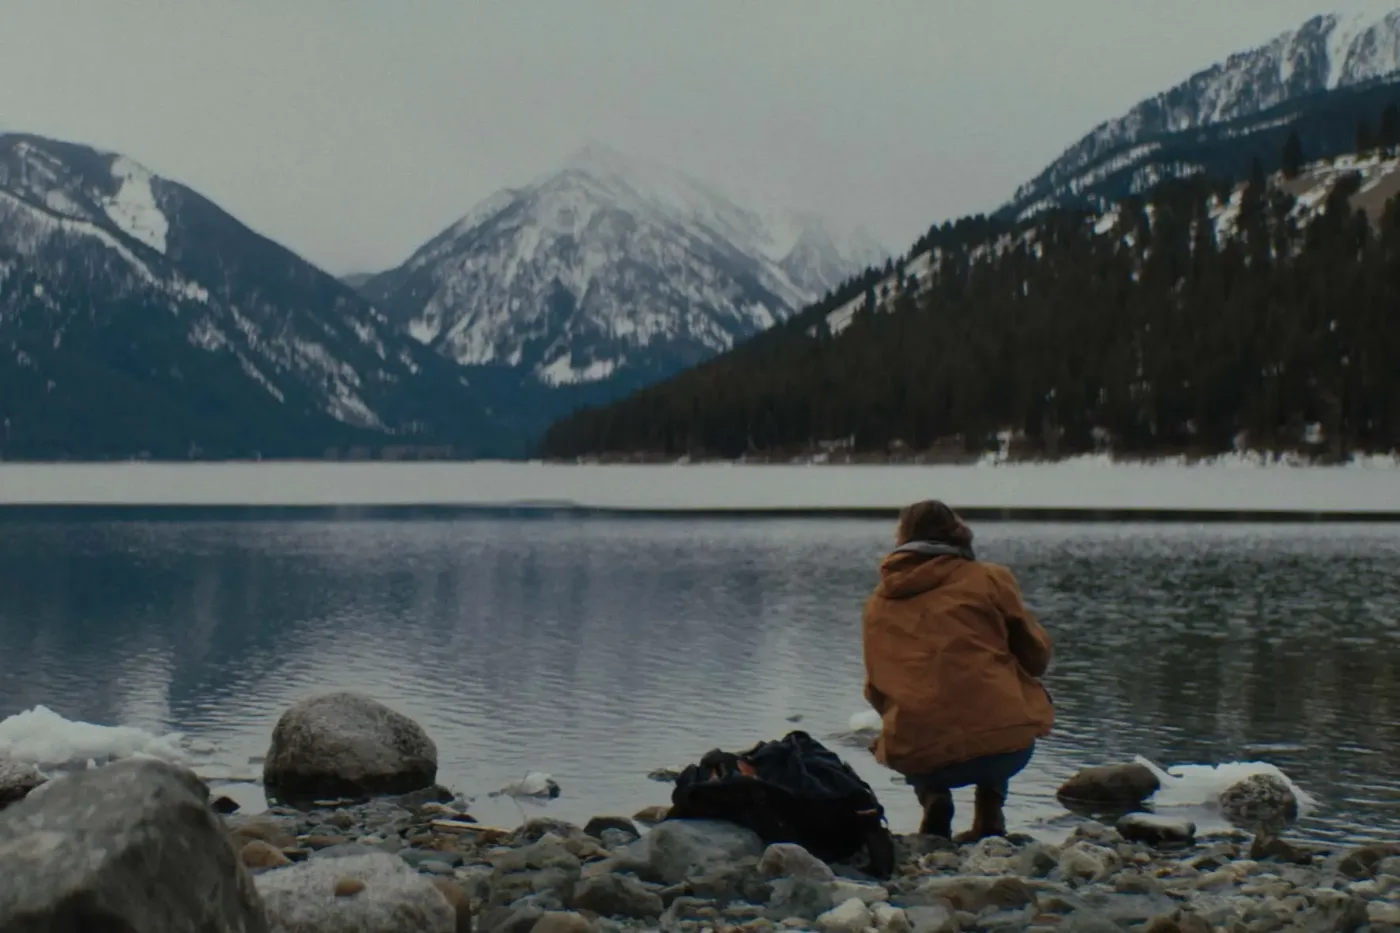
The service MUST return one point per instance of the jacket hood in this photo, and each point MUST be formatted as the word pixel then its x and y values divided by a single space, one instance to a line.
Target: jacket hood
pixel 908 573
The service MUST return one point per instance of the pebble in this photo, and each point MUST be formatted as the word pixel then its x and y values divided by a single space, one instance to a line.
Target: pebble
pixel 850 917
pixel 1145 873
pixel 260 856
pixel 348 887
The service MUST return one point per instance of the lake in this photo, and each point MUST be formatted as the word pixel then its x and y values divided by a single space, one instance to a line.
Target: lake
pixel 600 648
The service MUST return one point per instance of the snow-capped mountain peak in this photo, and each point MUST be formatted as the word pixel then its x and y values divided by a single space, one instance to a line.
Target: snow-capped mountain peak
pixel 612 264
pixel 134 307
pixel 1363 42
pixel 1354 47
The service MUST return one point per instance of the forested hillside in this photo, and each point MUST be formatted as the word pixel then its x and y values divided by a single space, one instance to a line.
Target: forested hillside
pixel 1200 318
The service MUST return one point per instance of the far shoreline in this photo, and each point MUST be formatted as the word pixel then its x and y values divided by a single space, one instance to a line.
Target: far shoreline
pixel 1082 491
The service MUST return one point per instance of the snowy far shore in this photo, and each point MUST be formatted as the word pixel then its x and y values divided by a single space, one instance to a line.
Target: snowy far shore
pixel 1239 485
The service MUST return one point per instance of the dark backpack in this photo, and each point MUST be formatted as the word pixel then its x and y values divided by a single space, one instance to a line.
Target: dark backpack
pixel 792 790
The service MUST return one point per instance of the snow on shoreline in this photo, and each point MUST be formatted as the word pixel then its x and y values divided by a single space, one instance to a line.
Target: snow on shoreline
pixel 1371 486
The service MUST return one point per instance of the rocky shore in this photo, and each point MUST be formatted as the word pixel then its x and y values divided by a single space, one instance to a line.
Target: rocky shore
pixel 139 845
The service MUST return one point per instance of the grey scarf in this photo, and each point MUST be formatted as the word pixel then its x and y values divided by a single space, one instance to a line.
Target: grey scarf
pixel 936 549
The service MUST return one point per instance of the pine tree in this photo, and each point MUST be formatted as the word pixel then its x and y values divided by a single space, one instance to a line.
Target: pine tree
pixel 1365 138
pixel 1390 130
pixel 1292 155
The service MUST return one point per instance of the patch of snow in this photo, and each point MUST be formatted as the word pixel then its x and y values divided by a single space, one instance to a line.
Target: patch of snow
pixel 563 372
pixel 134 208
pixel 1106 223
pixel 1202 785
pixel 535 784
pixel 45 739
pixel 424 329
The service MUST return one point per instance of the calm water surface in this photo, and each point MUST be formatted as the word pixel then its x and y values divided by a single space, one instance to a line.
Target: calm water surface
pixel 601 649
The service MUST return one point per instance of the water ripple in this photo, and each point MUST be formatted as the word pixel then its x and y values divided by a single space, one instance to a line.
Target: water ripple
pixel 601 649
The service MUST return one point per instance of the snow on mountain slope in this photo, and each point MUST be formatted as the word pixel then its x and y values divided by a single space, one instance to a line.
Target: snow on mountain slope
pixel 1378 182
pixel 611 264
pixel 134 301
pixel 1356 45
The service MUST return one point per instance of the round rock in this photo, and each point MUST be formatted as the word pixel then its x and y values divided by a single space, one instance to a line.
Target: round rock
pixel 1259 800
pixel 1126 785
pixel 347 745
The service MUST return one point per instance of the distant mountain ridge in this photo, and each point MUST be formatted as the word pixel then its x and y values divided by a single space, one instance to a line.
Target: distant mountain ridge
pixel 1253 92
pixel 136 317
pixel 611 269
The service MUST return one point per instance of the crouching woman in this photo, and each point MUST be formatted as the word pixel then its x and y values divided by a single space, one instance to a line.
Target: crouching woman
pixel 953 660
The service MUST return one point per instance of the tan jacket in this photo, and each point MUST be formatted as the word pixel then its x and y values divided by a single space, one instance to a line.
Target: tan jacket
pixel 952 661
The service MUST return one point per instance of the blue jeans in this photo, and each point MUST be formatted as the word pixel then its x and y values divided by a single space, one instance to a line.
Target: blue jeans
pixel 991 771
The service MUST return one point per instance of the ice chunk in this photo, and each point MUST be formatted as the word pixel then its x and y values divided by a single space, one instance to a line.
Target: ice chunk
pixel 865 721
pixel 44 738
pixel 1202 785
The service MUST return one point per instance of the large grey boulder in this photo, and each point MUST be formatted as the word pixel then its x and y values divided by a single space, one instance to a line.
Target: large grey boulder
pixel 17 779
pixel 133 846
pixel 682 850
pixel 373 893
pixel 347 745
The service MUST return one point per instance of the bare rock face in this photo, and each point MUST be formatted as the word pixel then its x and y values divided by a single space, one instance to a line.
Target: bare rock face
pixel 347 745
pixel 131 846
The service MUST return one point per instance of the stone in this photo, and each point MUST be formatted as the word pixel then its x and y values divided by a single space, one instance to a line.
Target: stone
pixel 799 897
pixel 1087 861
pixel 223 805
pixel 1272 848
pixel 271 831
pixel 788 860
pixel 1383 913
pixel 133 845
pixel 617 896
pixel 843 890
pixel 459 900
pixel 17 779
pixel 535 829
pixel 1361 863
pixel 1259 800
pixel 1037 860
pixel 257 855
pixel 545 867
pixel 316 843
pixel 599 825
pixel 932 919
pixel 1154 830
pixel 890 919
pixel 677 850
pixel 560 921
pixel 519 919
pixel 649 816
pixel 303 898
pixel 974 893
pixel 346 850
pixel 1110 786
pixel 348 887
pixel 850 917
pixel 346 745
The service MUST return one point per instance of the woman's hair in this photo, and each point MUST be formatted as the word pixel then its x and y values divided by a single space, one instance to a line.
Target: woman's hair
pixel 932 520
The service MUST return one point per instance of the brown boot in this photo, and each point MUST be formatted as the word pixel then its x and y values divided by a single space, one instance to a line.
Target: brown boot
pixel 938 813
pixel 987 816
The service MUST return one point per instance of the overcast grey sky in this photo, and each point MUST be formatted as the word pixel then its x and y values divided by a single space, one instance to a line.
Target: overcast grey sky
pixel 352 130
